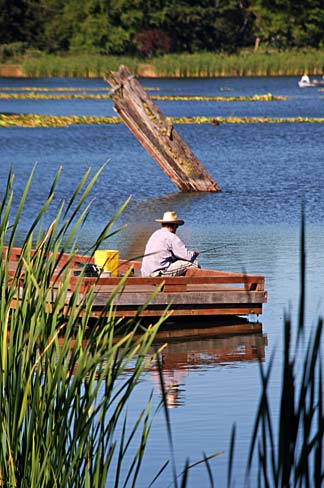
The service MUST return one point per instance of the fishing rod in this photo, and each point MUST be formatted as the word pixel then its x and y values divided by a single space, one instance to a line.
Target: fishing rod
pixel 208 250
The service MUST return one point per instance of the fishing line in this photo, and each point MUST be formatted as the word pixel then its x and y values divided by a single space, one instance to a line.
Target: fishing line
pixel 208 250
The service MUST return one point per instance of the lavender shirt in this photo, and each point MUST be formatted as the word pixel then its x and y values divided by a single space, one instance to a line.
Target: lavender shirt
pixel 167 248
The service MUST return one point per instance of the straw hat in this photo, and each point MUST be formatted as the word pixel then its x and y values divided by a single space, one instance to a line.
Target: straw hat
pixel 170 218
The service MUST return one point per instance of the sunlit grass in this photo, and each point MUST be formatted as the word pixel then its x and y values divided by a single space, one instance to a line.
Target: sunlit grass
pixel 204 64
pixel 62 394
pixel 246 63
pixel 70 66
pixel 65 380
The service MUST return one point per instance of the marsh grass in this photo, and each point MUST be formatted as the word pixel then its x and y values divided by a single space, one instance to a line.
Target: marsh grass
pixel 62 393
pixel 290 453
pixel 247 63
pixel 204 64
pixel 72 66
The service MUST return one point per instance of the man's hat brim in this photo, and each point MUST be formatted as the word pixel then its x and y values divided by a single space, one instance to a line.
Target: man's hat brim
pixel 178 222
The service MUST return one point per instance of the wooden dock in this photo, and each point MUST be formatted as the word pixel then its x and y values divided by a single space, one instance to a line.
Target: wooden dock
pixel 201 293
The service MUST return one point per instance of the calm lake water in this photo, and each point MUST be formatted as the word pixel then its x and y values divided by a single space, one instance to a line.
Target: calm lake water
pixel 267 172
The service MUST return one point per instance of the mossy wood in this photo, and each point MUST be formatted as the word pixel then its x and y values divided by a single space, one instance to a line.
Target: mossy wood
pixel 157 134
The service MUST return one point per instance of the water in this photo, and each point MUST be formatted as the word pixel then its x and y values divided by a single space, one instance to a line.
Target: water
pixel 267 172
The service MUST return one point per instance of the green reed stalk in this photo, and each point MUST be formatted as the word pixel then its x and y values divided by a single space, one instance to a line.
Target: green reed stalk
pixel 71 66
pixel 62 393
pixel 291 453
pixel 246 63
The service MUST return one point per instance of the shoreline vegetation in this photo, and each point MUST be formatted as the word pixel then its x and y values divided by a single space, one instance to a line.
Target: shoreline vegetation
pixel 292 62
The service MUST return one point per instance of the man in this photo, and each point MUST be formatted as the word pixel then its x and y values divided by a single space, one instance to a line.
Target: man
pixel 165 253
pixel 305 78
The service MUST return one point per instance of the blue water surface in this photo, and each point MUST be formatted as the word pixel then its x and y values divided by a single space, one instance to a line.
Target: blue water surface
pixel 267 174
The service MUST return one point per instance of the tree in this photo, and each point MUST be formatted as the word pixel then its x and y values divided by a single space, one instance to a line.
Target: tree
pixel 103 26
pixel 153 42
pixel 284 23
pixel 12 14
pixel 51 31
pixel 308 28
pixel 151 27
pixel 207 25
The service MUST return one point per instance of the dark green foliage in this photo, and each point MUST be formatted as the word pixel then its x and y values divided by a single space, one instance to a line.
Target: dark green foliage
pixel 128 27
pixel 11 20
pixel 284 23
pixel 208 25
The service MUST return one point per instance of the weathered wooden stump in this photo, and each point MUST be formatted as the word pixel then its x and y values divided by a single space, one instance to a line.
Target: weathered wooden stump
pixel 157 134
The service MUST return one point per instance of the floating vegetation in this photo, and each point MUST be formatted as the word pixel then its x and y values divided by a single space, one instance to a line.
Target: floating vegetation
pixel 62 89
pixel 57 89
pixel 52 96
pixel 268 97
pixel 37 120
pixel 245 120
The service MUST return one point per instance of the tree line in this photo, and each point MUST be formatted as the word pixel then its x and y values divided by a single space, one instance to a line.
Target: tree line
pixel 152 27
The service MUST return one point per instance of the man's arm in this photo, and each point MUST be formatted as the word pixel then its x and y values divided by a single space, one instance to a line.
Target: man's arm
pixel 181 251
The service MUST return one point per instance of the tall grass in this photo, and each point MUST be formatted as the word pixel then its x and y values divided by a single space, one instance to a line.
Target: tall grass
pixel 290 453
pixel 247 63
pixel 83 65
pixel 62 392
pixel 204 64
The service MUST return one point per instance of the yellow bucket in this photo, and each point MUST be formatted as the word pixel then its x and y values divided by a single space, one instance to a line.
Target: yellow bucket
pixel 107 260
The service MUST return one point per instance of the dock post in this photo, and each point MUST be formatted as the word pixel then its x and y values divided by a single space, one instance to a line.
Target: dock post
pixel 156 133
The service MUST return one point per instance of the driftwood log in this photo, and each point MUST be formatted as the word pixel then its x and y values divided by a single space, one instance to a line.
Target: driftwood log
pixel 157 134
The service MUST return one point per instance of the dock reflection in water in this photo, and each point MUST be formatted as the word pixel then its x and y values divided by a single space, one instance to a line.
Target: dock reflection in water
pixel 198 349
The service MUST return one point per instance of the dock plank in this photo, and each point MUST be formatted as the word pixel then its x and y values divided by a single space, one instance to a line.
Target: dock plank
pixel 192 298
pixel 200 293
